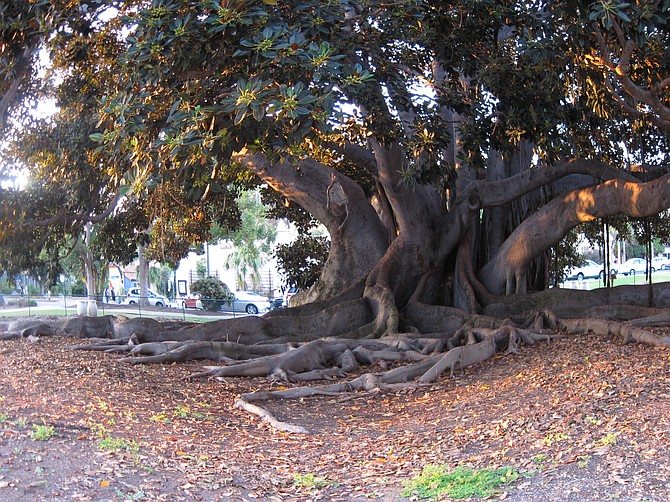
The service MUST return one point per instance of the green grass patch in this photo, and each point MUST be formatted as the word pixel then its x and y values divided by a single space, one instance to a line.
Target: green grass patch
pixel 621 280
pixel 310 481
pixel 42 432
pixel 109 443
pixel 436 482
pixel 607 440
pixel 33 313
pixel 61 312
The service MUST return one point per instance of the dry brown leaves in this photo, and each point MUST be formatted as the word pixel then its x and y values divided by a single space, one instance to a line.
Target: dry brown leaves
pixel 582 418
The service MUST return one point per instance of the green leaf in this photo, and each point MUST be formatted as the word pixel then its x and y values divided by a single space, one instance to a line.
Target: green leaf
pixel 258 112
pixel 239 116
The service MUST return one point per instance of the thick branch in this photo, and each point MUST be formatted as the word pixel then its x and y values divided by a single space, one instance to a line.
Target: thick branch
pixel 548 225
pixel 496 193
pixel 358 238
pixel 62 217
pixel 23 72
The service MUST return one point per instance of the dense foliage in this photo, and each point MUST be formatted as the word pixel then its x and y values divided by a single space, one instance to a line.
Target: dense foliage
pixel 301 261
pixel 212 292
pixel 168 109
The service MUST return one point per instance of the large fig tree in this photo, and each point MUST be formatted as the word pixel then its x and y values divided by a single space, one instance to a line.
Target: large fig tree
pixel 447 147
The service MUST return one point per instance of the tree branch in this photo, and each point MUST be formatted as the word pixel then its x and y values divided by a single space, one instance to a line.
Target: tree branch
pixel 497 193
pixel 566 212
pixel 62 217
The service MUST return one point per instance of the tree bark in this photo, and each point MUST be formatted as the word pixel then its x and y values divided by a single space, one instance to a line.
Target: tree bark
pixel 550 223
pixel 358 238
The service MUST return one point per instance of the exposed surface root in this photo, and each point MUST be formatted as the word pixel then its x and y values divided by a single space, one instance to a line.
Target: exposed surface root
pixel 627 332
pixel 323 347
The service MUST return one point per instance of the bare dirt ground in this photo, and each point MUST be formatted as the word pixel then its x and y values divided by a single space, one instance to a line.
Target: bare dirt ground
pixel 581 418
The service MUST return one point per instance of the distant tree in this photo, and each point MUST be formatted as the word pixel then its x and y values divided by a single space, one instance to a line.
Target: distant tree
pixel 201 268
pixel 302 260
pixel 160 276
pixel 252 241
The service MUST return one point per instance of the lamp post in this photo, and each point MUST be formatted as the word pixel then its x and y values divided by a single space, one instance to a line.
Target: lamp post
pixel 62 280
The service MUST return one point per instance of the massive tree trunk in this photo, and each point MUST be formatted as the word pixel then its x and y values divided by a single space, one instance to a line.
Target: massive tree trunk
pixel 403 297
pixel 358 238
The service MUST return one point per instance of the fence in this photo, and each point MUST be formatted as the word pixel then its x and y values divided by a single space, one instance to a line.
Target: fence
pixel 41 305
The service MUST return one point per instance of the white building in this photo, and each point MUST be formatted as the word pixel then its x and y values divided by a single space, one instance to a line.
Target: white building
pixel 215 257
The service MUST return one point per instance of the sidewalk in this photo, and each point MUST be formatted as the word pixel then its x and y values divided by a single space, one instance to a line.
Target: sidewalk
pixel 57 307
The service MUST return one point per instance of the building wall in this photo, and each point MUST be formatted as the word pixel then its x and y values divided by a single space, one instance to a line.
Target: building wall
pixel 215 257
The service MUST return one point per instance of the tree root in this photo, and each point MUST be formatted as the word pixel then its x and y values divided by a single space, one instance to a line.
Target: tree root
pixel 627 332
pixel 328 348
pixel 462 357
pixel 367 382
pixel 427 370
pixel 268 418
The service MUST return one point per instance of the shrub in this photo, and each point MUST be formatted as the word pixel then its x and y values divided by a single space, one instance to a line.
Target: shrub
pixel 301 261
pixel 213 293
pixel 23 302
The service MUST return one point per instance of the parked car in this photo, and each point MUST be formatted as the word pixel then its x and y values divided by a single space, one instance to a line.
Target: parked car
pixel 191 303
pixel 155 299
pixel 634 266
pixel 290 292
pixel 590 270
pixel 660 263
pixel 248 302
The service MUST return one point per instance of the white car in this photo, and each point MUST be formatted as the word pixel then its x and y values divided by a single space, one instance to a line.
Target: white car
pixel 634 266
pixel 590 270
pixel 155 299
pixel 247 302
pixel 660 263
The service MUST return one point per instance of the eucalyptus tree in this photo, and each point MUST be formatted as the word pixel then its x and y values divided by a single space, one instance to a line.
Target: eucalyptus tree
pixel 445 146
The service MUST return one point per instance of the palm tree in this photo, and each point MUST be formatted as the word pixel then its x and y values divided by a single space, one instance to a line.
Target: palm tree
pixel 160 277
pixel 253 241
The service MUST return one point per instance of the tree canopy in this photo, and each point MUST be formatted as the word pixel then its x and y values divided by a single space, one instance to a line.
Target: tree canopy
pixel 447 147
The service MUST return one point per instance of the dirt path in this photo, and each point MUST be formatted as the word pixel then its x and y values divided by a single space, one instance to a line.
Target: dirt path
pixel 581 419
